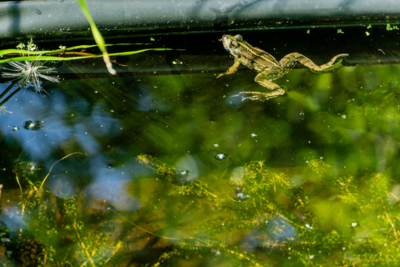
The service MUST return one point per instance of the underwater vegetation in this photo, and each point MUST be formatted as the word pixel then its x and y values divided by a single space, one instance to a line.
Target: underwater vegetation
pixel 50 231
pixel 268 220
pixel 330 200
pixel 257 217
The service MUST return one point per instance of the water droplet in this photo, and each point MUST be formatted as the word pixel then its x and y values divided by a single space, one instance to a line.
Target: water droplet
pixel 183 173
pixel 38 12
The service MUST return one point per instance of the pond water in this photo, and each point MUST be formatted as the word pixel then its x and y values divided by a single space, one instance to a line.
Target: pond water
pixel 160 165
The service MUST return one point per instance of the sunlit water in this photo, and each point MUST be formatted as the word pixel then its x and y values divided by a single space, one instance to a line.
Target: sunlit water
pixel 161 173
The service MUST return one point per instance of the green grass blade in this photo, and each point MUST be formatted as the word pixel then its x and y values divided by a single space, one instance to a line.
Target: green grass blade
pixel 48 58
pixel 18 51
pixel 97 36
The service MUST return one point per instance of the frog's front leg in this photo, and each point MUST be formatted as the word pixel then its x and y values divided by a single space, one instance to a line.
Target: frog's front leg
pixel 264 78
pixel 288 61
pixel 231 70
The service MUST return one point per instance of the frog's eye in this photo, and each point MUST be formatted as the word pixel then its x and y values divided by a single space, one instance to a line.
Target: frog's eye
pixel 238 38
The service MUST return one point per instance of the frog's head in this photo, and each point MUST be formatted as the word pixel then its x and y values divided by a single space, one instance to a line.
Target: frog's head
pixel 232 44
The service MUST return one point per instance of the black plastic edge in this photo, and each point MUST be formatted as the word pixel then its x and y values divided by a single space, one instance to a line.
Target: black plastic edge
pixel 64 19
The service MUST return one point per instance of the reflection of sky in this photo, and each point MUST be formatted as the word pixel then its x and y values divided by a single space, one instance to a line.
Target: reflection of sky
pixel 112 183
pixel 148 102
pixel 13 220
pixel 61 119
pixel 71 122
pixel 277 229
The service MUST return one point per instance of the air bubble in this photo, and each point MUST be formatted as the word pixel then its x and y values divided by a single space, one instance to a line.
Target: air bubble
pixel 219 156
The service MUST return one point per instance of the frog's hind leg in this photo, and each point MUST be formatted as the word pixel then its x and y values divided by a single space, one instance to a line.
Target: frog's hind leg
pixel 260 96
pixel 289 61
pixel 264 79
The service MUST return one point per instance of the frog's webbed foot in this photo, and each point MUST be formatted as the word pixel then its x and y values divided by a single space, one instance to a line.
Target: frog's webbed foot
pixel 261 96
pixel 289 60
pixel 264 79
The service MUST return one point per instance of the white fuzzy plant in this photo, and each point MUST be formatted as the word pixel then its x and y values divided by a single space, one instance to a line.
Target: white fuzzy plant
pixel 25 72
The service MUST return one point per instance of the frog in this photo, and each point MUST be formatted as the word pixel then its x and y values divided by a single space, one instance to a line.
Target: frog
pixel 266 65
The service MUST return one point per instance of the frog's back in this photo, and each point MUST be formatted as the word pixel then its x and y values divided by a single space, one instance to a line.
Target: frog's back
pixel 262 60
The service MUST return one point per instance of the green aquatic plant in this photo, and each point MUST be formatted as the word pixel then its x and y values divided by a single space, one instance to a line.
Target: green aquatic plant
pixel 47 55
pixel 35 190
pixel 56 233
pixel 257 217
pixel 49 238
pixel 351 223
pixel 25 72
pixel 391 28
pixel 30 64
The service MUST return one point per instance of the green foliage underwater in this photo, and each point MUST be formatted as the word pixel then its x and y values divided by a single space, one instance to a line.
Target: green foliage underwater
pixel 264 220
pixel 168 169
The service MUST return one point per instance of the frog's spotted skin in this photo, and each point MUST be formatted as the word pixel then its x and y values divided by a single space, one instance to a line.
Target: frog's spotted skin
pixel 266 65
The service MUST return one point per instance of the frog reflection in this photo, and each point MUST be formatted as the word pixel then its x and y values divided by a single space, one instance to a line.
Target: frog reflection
pixel 266 65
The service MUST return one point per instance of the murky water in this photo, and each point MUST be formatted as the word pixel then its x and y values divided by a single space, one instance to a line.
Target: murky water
pixel 170 170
